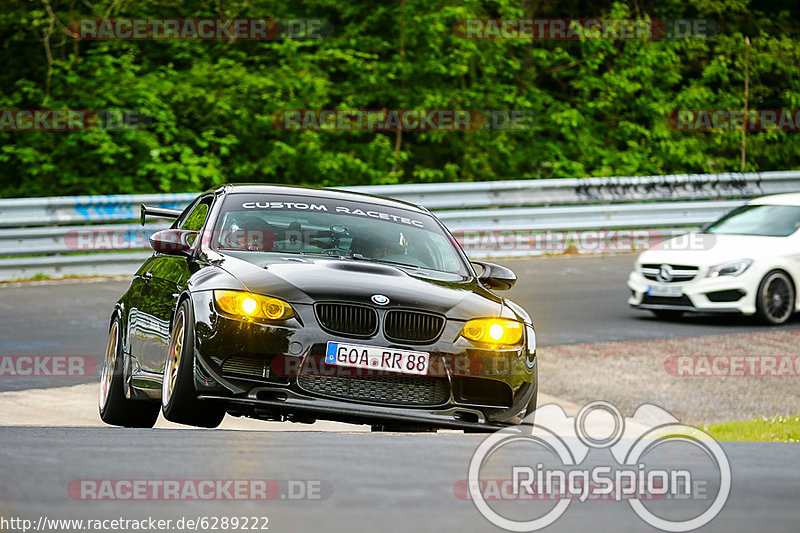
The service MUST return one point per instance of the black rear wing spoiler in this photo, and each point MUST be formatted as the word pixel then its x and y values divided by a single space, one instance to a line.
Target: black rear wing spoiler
pixel 158 212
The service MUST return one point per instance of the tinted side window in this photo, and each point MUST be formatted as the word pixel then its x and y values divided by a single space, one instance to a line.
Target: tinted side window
pixel 197 217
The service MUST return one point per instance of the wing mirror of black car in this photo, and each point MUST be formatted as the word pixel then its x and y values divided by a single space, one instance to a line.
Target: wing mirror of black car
pixel 173 241
pixel 496 276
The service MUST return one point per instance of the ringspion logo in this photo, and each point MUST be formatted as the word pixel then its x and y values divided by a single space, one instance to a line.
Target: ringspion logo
pixel 674 477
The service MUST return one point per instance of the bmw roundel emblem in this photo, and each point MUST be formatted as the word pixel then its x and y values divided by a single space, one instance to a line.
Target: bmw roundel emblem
pixel 380 299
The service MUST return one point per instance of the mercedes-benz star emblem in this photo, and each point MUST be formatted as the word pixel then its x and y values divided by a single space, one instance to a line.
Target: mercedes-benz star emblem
pixel 380 299
pixel 665 273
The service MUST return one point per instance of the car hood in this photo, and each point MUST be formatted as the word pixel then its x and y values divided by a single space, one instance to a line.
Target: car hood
pixel 306 280
pixel 706 249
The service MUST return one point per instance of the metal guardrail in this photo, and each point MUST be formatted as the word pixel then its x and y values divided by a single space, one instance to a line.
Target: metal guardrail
pixel 112 264
pixel 437 196
pixel 690 187
pixel 19 212
pixel 72 239
pixel 57 229
pixel 118 237
pixel 655 215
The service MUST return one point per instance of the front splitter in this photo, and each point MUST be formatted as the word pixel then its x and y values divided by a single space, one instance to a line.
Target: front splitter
pixel 283 400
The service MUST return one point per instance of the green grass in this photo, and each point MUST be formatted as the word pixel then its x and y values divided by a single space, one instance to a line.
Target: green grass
pixel 776 429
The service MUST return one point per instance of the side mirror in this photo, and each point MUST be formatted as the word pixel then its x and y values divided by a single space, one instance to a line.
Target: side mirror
pixel 496 276
pixel 173 241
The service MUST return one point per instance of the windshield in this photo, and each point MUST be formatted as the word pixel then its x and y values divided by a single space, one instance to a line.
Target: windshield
pixel 355 230
pixel 766 220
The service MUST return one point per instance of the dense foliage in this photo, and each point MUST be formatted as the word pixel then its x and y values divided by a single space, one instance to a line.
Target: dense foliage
pixel 600 104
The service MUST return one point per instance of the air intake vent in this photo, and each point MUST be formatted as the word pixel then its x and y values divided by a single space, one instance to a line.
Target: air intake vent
pixel 391 390
pixel 682 301
pixel 412 326
pixel 731 295
pixel 347 319
pixel 246 366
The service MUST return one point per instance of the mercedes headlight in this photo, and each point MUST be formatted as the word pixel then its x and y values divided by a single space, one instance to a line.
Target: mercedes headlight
pixel 732 268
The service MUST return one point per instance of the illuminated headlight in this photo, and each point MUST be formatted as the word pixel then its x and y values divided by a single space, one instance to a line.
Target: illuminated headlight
pixel 733 268
pixel 493 331
pixel 246 305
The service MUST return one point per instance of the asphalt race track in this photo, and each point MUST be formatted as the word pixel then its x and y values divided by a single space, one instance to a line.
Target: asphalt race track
pixel 370 482
pixel 364 482
pixel 571 299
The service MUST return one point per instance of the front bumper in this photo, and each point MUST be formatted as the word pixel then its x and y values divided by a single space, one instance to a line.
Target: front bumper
pixel 697 295
pixel 300 342
pixel 268 402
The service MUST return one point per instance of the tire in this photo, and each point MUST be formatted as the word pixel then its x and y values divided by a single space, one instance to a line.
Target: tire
pixel 179 401
pixel 775 299
pixel 532 403
pixel 528 416
pixel 115 408
pixel 667 313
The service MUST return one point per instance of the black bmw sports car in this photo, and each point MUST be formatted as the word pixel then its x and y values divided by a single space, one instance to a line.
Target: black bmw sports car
pixel 285 303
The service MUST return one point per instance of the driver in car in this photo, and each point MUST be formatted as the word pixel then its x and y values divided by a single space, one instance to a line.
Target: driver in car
pixel 249 232
pixel 379 245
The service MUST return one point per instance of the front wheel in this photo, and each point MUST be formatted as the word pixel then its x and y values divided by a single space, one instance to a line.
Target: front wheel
pixel 178 396
pixel 532 404
pixel 775 298
pixel 115 408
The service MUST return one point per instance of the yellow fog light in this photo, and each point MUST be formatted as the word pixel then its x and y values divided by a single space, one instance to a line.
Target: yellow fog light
pixel 494 331
pixel 248 305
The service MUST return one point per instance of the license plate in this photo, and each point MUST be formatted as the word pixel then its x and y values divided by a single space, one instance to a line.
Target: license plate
pixel 377 358
pixel 673 292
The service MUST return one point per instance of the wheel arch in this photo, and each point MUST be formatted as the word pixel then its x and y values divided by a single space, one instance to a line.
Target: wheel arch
pixel 783 270
pixel 185 296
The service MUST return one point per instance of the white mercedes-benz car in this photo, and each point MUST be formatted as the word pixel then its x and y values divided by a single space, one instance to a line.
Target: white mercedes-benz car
pixel 747 262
